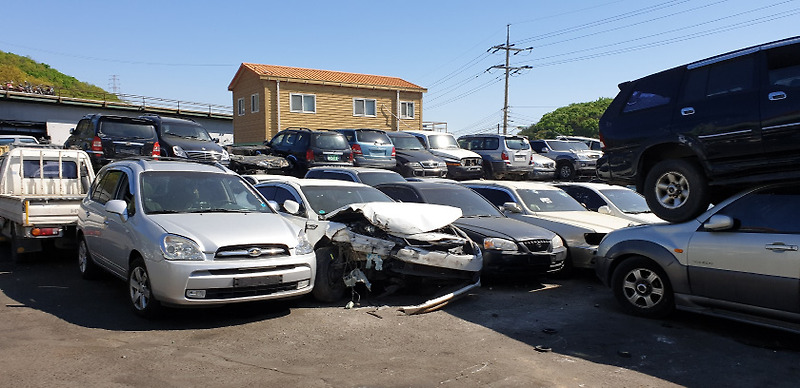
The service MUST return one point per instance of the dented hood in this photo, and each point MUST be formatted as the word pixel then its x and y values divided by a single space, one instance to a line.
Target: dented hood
pixel 399 218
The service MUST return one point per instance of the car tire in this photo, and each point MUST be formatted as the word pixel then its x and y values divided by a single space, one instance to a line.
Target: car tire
pixel 676 190
pixel 140 292
pixel 86 266
pixel 329 283
pixel 565 171
pixel 16 256
pixel 642 288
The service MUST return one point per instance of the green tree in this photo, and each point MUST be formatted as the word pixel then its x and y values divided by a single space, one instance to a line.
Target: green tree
pixel 579 119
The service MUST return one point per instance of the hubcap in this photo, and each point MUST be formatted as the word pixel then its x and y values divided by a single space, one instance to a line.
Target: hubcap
pixel 643 288
pixel 82 257
pixel 140 292
pixel 672 189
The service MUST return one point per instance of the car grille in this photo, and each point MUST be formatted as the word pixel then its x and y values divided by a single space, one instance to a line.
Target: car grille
pixel 241 292
pixel 467 162
pixel 251 252
pixel 549 165
pixel 209 156
pixel 430 164
pixel 538 245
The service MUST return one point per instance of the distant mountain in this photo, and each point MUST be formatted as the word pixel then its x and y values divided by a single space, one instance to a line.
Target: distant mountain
pixel 41 77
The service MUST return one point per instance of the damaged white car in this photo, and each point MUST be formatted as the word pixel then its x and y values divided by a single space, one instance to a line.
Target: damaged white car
pixel 361 235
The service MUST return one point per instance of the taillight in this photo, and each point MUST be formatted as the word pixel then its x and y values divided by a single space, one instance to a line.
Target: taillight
pixel 393 152
pixel 602 143
pixel 357 149
pixel 503 156
pixel 310 154
pixel 36 232
pixel 97 145
pixel 156 150
pixel 350 157
pixel 531 160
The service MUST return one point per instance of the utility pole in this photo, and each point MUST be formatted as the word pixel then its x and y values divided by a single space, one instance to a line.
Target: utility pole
pixel 113 84
pixel 508 47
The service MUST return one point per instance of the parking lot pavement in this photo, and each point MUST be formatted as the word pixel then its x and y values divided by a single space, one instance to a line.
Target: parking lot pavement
pixel 59 330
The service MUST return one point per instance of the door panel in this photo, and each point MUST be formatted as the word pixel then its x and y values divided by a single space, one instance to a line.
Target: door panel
pixel 780 105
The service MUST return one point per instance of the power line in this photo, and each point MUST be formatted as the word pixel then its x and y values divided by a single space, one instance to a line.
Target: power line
pixel 508 69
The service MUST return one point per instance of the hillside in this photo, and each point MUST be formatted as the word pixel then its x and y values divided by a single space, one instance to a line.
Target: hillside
pixel 19 70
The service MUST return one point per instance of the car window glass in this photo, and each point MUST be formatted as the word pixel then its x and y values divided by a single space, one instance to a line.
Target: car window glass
pixel 408 143
pixel 731 76
pixel 49 169
pixel 185 130
pixel 517 143
pixel 164 192
pixel 351 138
pixel 278 138
pixel 471 203
pixel 339 176
pixel 372 137
pixel 377 178
pixel 771 210
pixel 496 196
pixel 783 66
pixel 122 129
pixel 124 193
pixel 491 143
pixel 442 142
pixel 628 201
pixel 401 194
pixel 585 197
pixel 83 129
pixel 283 194
pixel 331 141
pixel 267 191
pixel 549 200
pixel 650 92
pixel 325 199
pixel 107 187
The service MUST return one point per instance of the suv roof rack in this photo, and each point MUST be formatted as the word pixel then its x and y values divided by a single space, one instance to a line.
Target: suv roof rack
pixel 144 159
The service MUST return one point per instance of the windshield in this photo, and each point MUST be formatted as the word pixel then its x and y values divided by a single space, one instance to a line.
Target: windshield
pixel 165 192
pixel 549 201
pixel 442 141
pixel 471 203
pixel 122 129
pixel 325 199
pixel 406 143
pixel 517 143
pixel 9 140
pixel 185 130
pixel 628 201
pixel 377 178
pixel 331 141
pixel 559 145
pixel 377 137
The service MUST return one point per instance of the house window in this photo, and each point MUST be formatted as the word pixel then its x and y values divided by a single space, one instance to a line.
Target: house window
pixel 305 103
pixel 363 107
pixel 406 110
pixel 254 103
pixel 240 104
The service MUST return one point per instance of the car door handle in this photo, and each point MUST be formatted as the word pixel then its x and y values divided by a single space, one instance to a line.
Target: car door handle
pixel 775 96
pixel 687 111
pixel 780 247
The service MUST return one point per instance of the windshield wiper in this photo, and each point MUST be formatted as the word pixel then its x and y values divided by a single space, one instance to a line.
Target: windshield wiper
pixel 165 212
pixel 220 210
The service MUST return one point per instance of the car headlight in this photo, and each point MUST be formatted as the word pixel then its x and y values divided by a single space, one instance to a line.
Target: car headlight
pixel 499 244
pixel 180 248
pixel 304 246
pixel 414 164
pixel 225 155
pixel 178 151
pixel 556 242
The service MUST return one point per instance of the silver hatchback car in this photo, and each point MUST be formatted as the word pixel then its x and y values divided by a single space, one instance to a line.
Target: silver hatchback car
pixel 189 234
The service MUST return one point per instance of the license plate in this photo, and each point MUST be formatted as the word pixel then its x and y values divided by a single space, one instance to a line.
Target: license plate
pixel 333 158
pixel 258 281
pixel 519 157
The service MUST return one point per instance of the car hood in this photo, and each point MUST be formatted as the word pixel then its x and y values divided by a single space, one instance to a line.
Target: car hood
pixel 599 223
pixel 644 218
pixel 503 227
pixel 453 153
pixel 542 159
pixel 214 230
pixel 190 144
pixel 398 218
pixel 415 156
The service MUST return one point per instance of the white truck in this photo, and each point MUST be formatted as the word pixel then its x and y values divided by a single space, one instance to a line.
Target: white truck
pixel 41 189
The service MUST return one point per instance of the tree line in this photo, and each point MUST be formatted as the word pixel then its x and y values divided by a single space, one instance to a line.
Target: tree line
pixel 579 119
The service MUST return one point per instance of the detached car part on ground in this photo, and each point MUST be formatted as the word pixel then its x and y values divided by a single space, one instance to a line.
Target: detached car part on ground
pixel 361 236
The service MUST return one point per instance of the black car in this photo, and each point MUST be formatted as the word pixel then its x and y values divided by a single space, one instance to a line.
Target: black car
pixel 185 138
pixel 106 138
pixel 366 175
pixel 509 246
pixel 305 148
pixel 413 160
pixel 694 134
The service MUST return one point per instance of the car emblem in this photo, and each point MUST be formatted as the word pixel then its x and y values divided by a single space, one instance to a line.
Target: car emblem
pixel 254 252
pixel 202 148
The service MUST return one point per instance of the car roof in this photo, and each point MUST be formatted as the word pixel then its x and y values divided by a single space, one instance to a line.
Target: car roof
pixel 171 164
pixel 592 185
pixel 352 168
pixel 519 185
pixel 423 185
pixel 302 182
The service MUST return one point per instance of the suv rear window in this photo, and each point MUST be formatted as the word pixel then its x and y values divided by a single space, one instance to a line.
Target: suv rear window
pixel 653 91
pixel 517 143
pixel 331 141
pixel 372 137
pixel 126 130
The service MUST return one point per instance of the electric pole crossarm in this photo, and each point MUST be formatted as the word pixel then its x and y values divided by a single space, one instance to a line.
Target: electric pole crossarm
pixel 509 48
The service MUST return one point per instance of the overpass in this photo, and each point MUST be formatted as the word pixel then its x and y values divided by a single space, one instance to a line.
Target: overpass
pixel 51 116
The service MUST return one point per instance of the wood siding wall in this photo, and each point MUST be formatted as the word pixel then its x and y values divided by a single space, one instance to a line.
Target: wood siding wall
pixel 250 127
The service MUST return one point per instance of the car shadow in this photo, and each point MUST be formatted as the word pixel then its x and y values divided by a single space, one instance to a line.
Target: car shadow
pixel 50 282
pixel 579 318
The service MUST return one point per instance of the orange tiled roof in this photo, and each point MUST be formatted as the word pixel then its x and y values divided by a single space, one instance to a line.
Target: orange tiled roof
pixel 329 76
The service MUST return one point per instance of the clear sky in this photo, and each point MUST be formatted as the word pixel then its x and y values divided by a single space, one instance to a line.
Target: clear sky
pixel 580 49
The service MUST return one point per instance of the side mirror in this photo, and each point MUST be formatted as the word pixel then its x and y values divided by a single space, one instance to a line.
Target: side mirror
pixel 291 207
pixel 604 209
pixel 718 222
pixel 512 207
pixel 71 130
pixel 118 207
pixel 543 151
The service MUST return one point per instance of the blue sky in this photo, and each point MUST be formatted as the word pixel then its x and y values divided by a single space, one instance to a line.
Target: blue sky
pixel 581 50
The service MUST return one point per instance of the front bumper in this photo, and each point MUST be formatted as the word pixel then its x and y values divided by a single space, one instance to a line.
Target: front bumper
pixel 582 256
pixel 501 168
pixel 229 281
pixel 464 172
pixel 361 161
pixel 543 174
pixel 523 262
pixel 436 172
pixel 586 167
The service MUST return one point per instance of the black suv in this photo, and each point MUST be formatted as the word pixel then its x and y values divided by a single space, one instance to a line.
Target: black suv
pixel 106 138
pixel 691 135
pixel 305 148
pixel 185 138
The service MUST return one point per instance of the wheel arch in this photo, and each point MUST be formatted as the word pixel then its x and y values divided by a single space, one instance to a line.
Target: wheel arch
pixel 657 153
pixel 676 272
